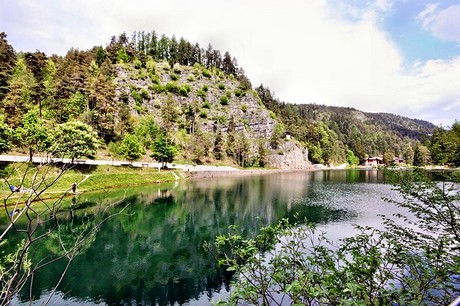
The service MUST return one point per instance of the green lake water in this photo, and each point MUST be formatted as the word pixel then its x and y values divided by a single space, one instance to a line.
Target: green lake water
pixel 151 252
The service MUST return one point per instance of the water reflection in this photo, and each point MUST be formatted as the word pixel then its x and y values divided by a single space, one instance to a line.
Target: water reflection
pixel 152 253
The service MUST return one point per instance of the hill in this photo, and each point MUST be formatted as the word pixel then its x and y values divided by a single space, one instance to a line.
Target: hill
pixel 151 91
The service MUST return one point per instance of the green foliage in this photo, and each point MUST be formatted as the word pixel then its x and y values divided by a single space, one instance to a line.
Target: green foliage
pixel 352 159
pixel 221 86
pixel 136 96
pixel 147 130
pixel 277 135
pixel 445 146
pixel 206 105
pixel 203 114
pixel 411 261
pixel 219 146
pixel 122 56
pixel 228 94
pixel 172 87
pixel 238 92
pixel 74 139
pixel 206 73
pixel 158 88
pixel 5 136
pixel 223 100
pixel 163 149
pixel 77 103
pixel 137 63
pixel 131 148
pixel 174 76
pixel 201 93
pixel 244 108
pixel 184 90
pixel 33 134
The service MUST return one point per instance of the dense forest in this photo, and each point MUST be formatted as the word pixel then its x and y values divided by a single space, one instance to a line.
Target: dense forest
pixel 156 96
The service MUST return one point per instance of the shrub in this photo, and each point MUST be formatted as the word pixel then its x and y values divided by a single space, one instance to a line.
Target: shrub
pixel 177 68
pixel 206 104
pixel 272 114
pixel 224 100
pixel 190 77
pixel 145 94
pixel 244 108
pixel 151 66
pixel 203 114
pixel 222 119
pixel 137 64
pixel 155 78
pixel 221 86
pixel 166 66
pixel 206 73
pixel 238 92
pixel 158 88
pixel 228 94
pixel 136 96
pixel 174 76
pixel 205 88
pixel 201 93
pixel 172 87
pixel 184 90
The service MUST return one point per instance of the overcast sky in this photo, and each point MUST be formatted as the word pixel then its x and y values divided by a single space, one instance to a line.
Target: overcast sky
pixel 398 56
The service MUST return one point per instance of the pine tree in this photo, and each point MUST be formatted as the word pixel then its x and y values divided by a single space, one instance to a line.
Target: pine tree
pixel 7 64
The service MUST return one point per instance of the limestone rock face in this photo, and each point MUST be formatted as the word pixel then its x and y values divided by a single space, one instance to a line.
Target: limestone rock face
pixel 244 109
pixel 290 156
pixel 204 101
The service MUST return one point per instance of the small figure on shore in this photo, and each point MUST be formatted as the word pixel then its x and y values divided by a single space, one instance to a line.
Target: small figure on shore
pixel 14 188
pixel 74 187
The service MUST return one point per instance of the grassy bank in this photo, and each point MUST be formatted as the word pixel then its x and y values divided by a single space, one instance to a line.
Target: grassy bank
pixel 87 178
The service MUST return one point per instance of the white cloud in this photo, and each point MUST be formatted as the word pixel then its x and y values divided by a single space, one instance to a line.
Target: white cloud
pixel 442 23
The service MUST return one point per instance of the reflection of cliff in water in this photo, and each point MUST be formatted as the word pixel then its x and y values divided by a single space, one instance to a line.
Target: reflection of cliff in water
pixel 152 253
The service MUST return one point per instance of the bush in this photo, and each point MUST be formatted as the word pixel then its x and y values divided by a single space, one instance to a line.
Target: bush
pixel 203 114
pixel 201 93
pixel 137 64
pixel 205 88
pixel 206 73
pixel 222 119
pixel 177 68
pixel 158 88
pixel 221 86
pixel 151 66
pixel 136 96
pixel 184 90
pixel 155 78
pixel 228 94
pixel 238 92
pixel 206 104
pixel 174 76
pixel 224 100
pixel 190 77
pixel 244 108
pixel 145 94
pixel 172 87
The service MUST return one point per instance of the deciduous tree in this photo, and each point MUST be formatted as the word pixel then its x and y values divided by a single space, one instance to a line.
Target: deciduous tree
pixel 74 139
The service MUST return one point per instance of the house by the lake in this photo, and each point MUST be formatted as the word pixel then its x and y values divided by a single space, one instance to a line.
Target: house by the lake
pixel 374 161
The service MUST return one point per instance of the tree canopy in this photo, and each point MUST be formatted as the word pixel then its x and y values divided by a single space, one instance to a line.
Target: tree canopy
pixel 74 139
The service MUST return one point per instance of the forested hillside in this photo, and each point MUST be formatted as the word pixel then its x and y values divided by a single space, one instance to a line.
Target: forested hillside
pixel 172 100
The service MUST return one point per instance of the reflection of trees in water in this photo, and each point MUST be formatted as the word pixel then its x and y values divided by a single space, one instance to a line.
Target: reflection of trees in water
pixel 153 253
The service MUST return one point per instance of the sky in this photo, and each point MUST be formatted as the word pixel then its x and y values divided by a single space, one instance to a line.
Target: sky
pixel 396 56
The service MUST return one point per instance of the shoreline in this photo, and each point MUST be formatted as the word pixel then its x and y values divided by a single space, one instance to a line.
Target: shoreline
pixel 237 173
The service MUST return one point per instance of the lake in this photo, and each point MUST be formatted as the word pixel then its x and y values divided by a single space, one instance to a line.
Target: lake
pixel 151 253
